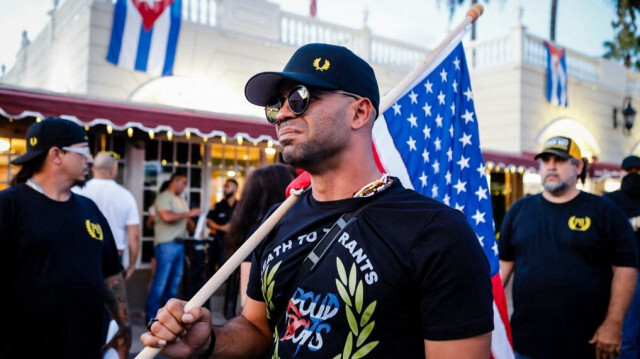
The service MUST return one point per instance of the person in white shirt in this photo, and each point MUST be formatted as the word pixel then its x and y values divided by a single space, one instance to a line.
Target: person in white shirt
pixel 118 205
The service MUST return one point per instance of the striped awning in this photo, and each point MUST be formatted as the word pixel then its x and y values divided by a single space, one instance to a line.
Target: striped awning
pixel 18 103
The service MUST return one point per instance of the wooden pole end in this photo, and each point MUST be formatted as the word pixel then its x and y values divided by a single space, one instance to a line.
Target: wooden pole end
pixel 475 12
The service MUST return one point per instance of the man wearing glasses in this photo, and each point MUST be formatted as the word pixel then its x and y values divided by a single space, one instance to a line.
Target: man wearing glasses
pixel 58 252
pixel 407 278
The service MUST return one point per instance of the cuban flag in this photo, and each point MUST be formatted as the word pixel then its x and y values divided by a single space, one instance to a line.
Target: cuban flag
pixel 429 139
pixel 556 75
pixel 144 35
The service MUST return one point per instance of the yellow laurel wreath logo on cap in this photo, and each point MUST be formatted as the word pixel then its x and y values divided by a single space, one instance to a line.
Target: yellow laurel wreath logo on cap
pixel 94 229
pixel 33 141
pixel 325 66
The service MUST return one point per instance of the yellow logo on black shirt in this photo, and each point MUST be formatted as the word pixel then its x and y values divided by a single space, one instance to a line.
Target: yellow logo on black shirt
pixel 94 229
pixel 325 66
pixel 579 224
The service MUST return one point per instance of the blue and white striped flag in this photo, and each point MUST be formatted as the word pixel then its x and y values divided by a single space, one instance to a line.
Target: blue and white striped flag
pixel 144 35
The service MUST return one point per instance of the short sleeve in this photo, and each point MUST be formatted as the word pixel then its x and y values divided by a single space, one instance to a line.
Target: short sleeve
pixel 505 249
pixel 163 202
pixel 133 217
pixel 454 282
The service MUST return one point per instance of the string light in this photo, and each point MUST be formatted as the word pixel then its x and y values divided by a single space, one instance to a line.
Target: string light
pixel 109 129
pixel 223 139
pixel 38 119
pixel 240 141
pixel 130 131
pixel 151 134
pixel 188 135
pixel 169 135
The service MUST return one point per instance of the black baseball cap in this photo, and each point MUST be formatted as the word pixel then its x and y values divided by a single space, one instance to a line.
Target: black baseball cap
pixel 50 132
pixel 324 66
pixel 630 161
pixel 561 146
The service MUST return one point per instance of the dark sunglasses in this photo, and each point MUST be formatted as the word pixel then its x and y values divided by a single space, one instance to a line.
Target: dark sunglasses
pixel 298 98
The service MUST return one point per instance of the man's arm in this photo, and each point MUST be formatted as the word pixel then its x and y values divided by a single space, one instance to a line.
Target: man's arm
pixel 469 348
pixel 116 302
pixel 506 268
pixel 247 335
pixel 608 337
pixel 169 216
pixel 133 235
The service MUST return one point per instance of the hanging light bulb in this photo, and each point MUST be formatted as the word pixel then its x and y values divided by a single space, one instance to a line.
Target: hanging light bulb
pixel 109 129
pixel 169 135
pixel 223 139
pixel 151 134
pixel 188 135
pixel 240 141
pixel 130 131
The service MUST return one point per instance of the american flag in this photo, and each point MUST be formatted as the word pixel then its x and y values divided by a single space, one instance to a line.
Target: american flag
pixel 429 139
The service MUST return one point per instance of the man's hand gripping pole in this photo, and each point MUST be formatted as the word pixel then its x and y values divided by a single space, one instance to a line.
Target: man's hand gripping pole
pixel 295 188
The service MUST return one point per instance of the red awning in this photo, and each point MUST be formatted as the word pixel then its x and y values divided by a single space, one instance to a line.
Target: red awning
pixel 20 103
pixel 505 160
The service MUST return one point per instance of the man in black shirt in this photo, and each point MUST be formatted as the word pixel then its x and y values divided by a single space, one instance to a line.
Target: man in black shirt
pixel 58 253
pixel 628 199
pixel 406 279
pixel 574 256
pixel 217 221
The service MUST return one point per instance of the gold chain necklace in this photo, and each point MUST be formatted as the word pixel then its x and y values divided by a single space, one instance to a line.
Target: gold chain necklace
pixel 374 187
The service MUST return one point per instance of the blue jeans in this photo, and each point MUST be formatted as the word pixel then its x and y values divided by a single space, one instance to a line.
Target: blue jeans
pixel 166 281
pixel 631 328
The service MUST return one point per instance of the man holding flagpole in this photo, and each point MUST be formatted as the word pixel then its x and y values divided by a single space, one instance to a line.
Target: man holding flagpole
pixel 392 274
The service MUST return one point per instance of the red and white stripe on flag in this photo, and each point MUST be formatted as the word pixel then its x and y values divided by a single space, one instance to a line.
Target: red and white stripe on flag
pixel 429 139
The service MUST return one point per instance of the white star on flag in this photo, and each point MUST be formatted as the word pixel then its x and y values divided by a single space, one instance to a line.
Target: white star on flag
pixel 413 120
pixel 481 193
pixel 396 108
pixel 479 217
pixel 414 97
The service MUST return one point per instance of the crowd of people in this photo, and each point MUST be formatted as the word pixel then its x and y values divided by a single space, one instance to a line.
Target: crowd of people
pixel 358 267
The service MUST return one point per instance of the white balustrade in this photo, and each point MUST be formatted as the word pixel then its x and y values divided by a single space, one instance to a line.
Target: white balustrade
pixel 297 30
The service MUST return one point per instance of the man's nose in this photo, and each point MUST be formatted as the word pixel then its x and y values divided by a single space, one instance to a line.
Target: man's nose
pixel 285 112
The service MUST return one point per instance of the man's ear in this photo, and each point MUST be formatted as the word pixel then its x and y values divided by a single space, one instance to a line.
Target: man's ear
pixel 54 155
pixel 362 113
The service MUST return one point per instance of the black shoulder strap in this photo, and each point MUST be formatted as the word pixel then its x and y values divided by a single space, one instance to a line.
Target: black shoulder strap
pixel 318 252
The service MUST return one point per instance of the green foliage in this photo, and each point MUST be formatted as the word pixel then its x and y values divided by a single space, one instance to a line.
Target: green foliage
pixel 625 46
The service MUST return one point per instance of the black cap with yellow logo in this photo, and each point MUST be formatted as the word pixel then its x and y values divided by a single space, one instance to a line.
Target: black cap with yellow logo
pixel 323 66
pixel 51 132
pixel 561 146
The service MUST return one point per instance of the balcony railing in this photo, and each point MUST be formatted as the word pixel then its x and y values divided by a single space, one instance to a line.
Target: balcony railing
pixel 517 47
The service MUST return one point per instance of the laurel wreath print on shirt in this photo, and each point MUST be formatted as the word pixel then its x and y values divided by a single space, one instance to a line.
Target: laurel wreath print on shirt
pixel 267 287
pixel 352 293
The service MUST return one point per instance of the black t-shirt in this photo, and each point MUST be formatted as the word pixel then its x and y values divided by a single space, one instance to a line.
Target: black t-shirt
pixel 628 198
pixel 221 213
pixel 54 256
pixel 408 269
pixel 563 255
